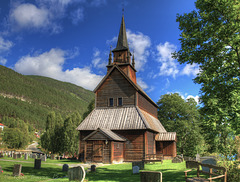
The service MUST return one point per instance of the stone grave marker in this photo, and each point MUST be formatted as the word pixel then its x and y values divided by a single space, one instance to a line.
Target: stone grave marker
pixel 93 168
pixel 140 164
pixel 151 176
pixel 44 158
pixel 208 160
pixel 52 156
pixel 26 156
pixel 19 156
pixel 76 173
pixel 34 156
pixel 17 169
pixel 135 170
pixel 65 167
pixel 14 156
pixel 177 159
pixel 198 157
pixel 37 164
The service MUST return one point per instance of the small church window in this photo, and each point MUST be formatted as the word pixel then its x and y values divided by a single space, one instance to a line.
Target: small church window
pixel 120 103
pixel 111 102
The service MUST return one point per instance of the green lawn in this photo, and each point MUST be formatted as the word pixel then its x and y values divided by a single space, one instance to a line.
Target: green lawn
pixel 112 173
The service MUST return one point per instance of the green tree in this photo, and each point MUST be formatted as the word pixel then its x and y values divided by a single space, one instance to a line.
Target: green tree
pixel 182 117
pixel 14 138
pixel 210 38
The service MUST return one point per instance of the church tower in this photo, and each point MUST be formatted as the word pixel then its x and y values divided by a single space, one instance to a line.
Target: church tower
pixel 122 55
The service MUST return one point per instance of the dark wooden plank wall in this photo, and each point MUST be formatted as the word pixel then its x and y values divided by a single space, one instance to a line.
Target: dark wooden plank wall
pixel 98 136
pixel 167 148
pixel 151 142
pixel 146 105
pixel 115 86
pixel 134 146
pixel 118 151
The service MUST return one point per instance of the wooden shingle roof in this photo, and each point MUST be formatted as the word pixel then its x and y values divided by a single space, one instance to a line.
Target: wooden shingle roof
pixel 108 133
pixel 120 118
pixel 166 136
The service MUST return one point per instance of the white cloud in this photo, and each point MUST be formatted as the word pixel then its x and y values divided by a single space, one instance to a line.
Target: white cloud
pixel 77 16
pixel 142 84
pixel 140 43
pixel 191 70
pixel 5 45
pixel 196 98
pixel 3 61
pixel 168 64
pixel 28 15
pixel 50 64
pixel 98 2
pixel 97 60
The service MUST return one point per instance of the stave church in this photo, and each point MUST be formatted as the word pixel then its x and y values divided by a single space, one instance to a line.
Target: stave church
pixel 124 126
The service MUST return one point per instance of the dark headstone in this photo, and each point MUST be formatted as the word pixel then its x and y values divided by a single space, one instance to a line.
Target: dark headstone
pixel 76 173
pixel 65 167
pixel 93 168
pixel 17 169
pixel 14 156
pixel 19 156
pixel 26 156
pixel 150 176
pixel 58 158
pixel 37 164
pixel 140 164
pixel 191 164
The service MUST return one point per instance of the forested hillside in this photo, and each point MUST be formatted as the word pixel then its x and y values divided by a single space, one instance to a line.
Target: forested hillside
pixel 31 98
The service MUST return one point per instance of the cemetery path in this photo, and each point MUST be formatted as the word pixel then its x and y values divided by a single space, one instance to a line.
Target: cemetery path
pixel 33 147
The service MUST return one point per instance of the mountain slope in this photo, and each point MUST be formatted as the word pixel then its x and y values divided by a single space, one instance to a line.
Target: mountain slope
pixel 31 98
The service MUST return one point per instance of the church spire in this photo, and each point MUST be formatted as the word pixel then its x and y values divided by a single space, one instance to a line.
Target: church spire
pixel 122 43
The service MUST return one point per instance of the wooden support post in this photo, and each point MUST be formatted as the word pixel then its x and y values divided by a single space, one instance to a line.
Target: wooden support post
pixel 112 151
pixel 85 152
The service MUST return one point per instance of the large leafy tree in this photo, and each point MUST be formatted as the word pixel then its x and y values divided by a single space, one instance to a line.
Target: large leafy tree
pixel 182 117
pixel 210 38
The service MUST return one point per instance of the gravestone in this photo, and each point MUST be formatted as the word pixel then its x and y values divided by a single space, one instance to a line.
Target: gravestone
pixel 76 173
pixel 17 169
pixel 1 170
pixel 37 164
pixel 44 158
pixel 19 156
pixel 198 157
pixel 150 176
pixel 65 167
pixel 34 156
pixel 52 156
pixel 93 168
pixel 14 156
pixel 208 160
pixel 26 157
pixel 177 159
pixel 135 170
pixel 140 164
pixel 191 164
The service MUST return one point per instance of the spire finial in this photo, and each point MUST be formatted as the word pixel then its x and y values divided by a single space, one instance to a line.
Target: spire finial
pixel 122 7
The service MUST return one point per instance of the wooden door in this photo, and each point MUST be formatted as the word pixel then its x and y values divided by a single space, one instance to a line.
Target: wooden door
pixel 159 147
pixel 98 152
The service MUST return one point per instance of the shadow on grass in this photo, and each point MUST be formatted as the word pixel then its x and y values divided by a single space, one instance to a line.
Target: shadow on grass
pixel 50 172
pixel 104 174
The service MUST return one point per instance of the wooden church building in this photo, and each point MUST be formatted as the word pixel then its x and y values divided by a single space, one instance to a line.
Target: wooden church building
pixel 124 125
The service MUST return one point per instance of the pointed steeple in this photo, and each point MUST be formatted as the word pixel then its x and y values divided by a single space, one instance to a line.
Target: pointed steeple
pixel 122 43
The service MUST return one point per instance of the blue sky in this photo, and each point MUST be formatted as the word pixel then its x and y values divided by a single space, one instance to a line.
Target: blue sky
pixel 69 40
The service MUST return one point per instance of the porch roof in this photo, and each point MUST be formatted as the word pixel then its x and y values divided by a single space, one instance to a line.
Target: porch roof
pixel 166 136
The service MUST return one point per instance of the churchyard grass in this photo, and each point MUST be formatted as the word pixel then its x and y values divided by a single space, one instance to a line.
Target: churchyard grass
pixel 113 173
